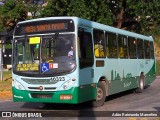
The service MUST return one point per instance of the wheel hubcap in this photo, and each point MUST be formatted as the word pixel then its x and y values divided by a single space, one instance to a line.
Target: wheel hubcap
pixel 99 93
pixel 141 84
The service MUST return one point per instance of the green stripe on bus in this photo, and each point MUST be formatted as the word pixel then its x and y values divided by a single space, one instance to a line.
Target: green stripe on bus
pixel 79 95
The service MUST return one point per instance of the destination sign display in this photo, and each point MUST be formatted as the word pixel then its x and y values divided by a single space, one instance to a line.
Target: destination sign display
pixel 44 26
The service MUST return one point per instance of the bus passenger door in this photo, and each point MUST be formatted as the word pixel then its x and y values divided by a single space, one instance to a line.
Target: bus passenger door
pixel 86 61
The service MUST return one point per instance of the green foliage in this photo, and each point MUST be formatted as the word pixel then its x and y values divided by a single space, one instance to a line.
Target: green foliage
pixel 55 8
pixel 33 7
pixel 78 8
pixel 158 67
pixel 99 11
pixel 147 13
pixel 12 12
pixel 95 10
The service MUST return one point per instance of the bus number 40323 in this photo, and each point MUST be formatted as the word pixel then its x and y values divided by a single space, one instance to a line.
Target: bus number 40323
pixel 57 79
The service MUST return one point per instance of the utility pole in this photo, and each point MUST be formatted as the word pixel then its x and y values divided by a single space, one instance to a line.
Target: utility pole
pixel 1 60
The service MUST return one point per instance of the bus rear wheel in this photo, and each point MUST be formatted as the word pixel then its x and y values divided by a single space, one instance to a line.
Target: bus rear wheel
pixel 101 95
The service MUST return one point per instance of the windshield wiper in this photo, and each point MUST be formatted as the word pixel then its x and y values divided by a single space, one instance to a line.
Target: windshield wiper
pixel 55 36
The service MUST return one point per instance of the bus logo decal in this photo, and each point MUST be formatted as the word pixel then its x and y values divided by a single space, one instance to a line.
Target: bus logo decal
pixel 40 88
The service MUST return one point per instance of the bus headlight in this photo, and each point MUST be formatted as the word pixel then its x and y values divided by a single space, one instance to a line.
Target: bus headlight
pixel 68 84
pixel 17 85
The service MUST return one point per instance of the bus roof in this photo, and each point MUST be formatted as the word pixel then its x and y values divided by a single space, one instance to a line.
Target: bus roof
pixel 92 24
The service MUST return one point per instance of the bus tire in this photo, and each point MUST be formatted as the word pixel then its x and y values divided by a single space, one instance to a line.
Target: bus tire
pixel 141 84
pixel 101 95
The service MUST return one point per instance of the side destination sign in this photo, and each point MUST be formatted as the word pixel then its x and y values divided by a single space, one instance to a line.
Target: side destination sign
pixel 27 67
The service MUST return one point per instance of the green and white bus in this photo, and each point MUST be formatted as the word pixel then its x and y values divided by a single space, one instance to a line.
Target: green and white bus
pixel 73 60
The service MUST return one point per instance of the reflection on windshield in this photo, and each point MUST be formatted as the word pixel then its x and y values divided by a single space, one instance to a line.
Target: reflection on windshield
pixel 51 55
pixel 52 48
pixel 55 52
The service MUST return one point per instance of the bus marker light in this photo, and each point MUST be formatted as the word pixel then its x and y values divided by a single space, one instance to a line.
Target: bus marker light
pixel 74 79
pixel 65 87
pixel 70 83
pixel 65 97
pixel 93 85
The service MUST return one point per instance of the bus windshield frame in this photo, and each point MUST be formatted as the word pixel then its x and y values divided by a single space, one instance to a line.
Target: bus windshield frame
pixel 44 52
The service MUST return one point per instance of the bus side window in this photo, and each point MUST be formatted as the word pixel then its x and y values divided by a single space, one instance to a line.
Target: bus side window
pixel 132 46
pixel 85 49
pixel 111 45
pixel 122 42
pixel 20 50
pixel 147 49
pixel 99 44
pixel 140 49
pixel 152 50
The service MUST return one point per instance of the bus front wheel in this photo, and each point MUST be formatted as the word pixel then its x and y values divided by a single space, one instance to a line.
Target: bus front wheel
pixel 101 95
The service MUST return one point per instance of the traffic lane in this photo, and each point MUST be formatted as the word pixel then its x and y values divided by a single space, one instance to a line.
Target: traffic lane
pixel 146 101
pixel 114 102
pixel 126 101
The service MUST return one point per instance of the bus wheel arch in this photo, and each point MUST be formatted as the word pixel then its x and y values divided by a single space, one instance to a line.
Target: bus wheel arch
pixel 102 91
pixel 141 83
pixel 105 82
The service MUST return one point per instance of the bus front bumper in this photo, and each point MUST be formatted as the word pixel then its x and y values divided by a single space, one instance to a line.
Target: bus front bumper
pixel 73 96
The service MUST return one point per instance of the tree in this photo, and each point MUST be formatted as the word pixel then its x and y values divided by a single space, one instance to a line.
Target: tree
pixel 99 11
pixel 78 8
pixel 95 10
pixel 55 8
pixel 34 7
pixel 118 7
pixel 147 14
pixel 12 12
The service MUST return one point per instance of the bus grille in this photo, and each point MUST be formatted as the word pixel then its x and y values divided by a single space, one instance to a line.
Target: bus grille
pixel 42 96
pixel 45 88
pixel 39 81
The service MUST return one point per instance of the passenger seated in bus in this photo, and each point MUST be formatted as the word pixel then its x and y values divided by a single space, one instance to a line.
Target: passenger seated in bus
pixel 121 52
pixel 98 49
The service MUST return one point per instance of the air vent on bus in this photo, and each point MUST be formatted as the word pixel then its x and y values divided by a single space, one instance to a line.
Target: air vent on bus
pixel 43 96
pixel 38 81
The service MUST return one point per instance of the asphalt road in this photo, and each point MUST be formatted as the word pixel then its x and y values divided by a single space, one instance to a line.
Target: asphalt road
pixel 149 100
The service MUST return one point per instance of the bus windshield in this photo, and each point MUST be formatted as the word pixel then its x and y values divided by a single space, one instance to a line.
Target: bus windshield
pixel 46 55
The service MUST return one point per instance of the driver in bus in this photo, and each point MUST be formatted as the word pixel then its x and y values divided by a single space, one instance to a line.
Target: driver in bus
pixel 70 53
